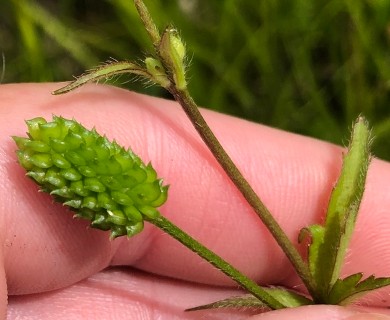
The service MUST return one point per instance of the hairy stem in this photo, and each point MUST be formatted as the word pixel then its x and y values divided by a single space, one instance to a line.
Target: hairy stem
pixel 246 283
pixel 147 20
pixel 192 111
pixel 182 95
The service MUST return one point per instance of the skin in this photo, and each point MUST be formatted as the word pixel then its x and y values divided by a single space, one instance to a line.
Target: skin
pixel 55 267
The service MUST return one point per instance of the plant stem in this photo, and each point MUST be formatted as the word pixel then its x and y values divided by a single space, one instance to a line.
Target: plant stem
pixel 192 111
pixel 246 283
pixel 147 20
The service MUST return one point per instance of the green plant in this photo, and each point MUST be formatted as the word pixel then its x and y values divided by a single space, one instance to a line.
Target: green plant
pixel 66 143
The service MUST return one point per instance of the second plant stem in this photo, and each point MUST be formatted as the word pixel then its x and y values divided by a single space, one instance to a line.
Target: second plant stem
pixel 246 283
pixel 192 111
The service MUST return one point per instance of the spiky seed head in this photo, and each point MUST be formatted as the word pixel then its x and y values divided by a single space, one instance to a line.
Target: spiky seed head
pixel 98 179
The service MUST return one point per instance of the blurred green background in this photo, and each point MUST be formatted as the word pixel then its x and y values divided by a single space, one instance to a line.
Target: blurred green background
pixel 305 66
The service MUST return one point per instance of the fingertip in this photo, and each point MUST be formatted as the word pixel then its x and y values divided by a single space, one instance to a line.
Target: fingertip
pixel 313 312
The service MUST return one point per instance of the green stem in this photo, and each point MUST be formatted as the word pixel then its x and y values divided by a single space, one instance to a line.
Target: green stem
pixel 147 20
pixel 246 283
pixel 192 111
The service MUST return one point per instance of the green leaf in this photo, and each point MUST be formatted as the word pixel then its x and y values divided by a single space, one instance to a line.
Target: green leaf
pixel 104 71
pixel 329 243
pixel 288 298
pixel 348 289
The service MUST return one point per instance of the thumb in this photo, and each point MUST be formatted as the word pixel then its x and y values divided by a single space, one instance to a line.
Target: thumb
pixel 319 312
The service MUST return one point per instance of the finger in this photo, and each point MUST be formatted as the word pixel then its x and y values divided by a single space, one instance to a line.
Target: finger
pixel 323 312
pixel 130 294
pixel 158 131
pixel 123 294
pixel 293 174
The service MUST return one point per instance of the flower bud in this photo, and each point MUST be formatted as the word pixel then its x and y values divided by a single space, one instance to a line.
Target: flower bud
pixel 156 70
pixel 96 178
pixel 173 51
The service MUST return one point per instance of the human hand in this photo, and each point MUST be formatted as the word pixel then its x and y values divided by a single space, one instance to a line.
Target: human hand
pixel 45 250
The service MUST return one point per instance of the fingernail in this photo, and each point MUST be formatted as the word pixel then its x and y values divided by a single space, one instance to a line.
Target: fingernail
pixel 368 316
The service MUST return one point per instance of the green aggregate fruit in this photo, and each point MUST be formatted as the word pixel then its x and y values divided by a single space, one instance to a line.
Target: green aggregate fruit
pixel 98 179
